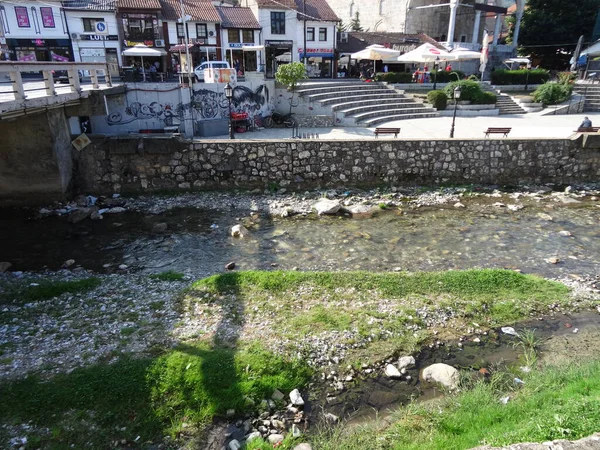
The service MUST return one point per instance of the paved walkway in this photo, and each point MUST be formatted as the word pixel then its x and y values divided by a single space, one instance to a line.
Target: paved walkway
pixel 523 126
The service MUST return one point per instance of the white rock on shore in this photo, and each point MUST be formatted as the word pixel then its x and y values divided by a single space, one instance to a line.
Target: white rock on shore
pixel 442 374
pixel 326 206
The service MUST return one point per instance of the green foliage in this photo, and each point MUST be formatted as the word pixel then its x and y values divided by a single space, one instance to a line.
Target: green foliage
pixel 557 402
pixel 290 74
pixel 446 77
pixel 548 25
pixel 485 98
pixel 51 289
pixel 469 90
pixel 394 77
pixel 438 99
pixel 552 93
pixel 146 397
pixel 169 275
pixel 504 77
pixel 567 77
pixel 355 23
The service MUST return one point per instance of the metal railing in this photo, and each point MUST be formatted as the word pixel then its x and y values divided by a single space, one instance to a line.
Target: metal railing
pixel 48 70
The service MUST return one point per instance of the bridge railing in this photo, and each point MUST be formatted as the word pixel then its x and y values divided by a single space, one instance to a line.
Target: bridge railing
pixel 15 70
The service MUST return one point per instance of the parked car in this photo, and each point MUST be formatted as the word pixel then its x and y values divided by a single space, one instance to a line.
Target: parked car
pixel 199 70
pixel 62 76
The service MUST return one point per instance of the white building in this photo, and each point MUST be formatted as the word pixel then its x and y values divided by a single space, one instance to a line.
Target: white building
pixel 202 23
pixel 35 31
pixel 240 38
pixel 94 32
pixel 283 23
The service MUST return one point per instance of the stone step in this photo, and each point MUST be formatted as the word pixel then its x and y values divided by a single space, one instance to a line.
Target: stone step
pixel 388 118
pixel 363 117
pixel 347 94
pixel 372 102
pixel 343 88
pixel 381 108
pixel 361 97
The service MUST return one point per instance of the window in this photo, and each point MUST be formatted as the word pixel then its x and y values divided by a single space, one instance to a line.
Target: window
pixel 22 17
pixel 201 30
pixel 277 23
pixel 322 34
pixel 89 25
pixel 310 34
pixel 381 7
pixel 140 27
pixel 47 17
pixel 248 36
pixel 233 35
pixel 180 30
pixel 463 38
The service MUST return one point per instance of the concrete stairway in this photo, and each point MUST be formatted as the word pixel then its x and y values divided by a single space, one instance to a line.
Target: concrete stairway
pixel 591 94
pixel 355 103
pixel 505 102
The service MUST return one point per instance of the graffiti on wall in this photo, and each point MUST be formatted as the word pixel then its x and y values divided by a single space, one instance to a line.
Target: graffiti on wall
pixel 205 105
pixel 167 113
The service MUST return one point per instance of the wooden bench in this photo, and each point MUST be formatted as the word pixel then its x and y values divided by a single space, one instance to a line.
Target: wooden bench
pixel 492 130
pixel 394 131
pixel 587 130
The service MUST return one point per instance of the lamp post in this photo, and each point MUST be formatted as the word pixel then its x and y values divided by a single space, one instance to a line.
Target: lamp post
pixel 527 76
pixel 456 97
pixel 228 95
pixel 436 64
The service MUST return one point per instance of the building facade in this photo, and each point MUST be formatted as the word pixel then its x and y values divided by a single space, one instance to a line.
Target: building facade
pixel 240 36
pixel 94 32
pixel 35 31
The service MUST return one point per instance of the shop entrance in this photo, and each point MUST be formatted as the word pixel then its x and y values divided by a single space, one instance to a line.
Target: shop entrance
pixel 277 52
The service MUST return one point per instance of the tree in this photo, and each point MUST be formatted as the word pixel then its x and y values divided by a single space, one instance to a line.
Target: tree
pixel 550 29
pixel 355 23
pixel 289 75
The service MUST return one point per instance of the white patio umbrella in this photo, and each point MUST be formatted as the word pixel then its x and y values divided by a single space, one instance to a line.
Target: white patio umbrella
pixel 463 54
pixel 375 52
pixel 425 53
pixel 142 50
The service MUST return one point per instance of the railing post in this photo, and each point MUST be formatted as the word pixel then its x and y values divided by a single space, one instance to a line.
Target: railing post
pixel 49 82
pixel 74 80
pixel 17 82
pixel 107 77
pixel 94 75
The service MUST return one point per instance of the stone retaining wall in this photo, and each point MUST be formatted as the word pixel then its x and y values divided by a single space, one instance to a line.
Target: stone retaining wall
pixel 145 164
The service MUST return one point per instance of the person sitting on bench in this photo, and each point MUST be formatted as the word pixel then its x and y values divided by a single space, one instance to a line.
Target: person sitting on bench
pixel 587 123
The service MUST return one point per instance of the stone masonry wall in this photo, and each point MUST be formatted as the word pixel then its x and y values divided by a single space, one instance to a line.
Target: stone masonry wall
pixel 128 164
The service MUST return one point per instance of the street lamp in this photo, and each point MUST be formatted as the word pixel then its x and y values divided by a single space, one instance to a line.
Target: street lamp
pixel 228 95
pixel 456 97
pixel 527 76
pixel 436 64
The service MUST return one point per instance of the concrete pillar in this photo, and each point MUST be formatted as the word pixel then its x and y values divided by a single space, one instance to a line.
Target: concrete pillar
pixel 497 28
pixel 49 82
pixel 17 83
pixel 188 116
pixel 94 76
pixel 515 42
pixel 452 21
pixel 475 38
pixel 74 80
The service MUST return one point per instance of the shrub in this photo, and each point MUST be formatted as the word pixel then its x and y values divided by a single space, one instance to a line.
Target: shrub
pixel 484 98
pixel 552 93
pixel 566 77
pixel 505 77
pixel 438 99
pixel 469 90
pixel 446 77
pixel 394 77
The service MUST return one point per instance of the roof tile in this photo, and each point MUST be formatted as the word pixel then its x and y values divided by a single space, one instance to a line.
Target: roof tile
pixel 96 5
pixel 199 10
pixel 358 40
pixel 138 4
pixel 316 9
pixel 236 17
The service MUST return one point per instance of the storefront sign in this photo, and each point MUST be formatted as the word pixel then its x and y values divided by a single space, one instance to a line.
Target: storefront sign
pixel 91 52
pixel 404 48
pixel 38 42
pixel 47 17
pixel 22 17
pixel 279 43
pixel 235 45
pixel 57 57
pixel 98 37
pixel 101 28
pixel 148 43
pixel 316 52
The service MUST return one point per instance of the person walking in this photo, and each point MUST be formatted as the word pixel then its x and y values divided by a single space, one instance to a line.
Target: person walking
pixel 587 123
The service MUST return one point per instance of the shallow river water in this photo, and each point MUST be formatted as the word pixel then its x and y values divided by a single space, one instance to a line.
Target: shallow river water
pixel 197 241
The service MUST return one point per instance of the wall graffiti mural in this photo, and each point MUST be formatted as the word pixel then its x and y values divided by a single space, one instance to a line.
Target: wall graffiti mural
pixel 209 104
pixel 166 113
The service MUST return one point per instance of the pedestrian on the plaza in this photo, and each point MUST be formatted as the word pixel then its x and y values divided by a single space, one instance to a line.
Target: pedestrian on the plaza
pixel 587 123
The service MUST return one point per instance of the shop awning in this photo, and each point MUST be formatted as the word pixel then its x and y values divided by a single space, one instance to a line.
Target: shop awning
pixel 182 47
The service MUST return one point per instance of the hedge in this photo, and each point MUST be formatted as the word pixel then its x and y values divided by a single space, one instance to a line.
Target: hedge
pixel 484 98
pixel 394 77
pixel 552 93
pixel 446 77
pixel 469 89
pixel 438 99
pixel 505 77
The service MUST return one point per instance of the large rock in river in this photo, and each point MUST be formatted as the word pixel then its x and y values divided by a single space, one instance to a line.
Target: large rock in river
pixel 326 206
pixel 442 374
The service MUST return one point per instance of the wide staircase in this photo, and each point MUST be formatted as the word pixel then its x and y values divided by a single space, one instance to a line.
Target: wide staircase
pixel 591 94
pixel 504 102
pixel 356 103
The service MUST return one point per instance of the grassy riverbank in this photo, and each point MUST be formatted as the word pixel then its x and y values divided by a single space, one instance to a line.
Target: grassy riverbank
pixel 243 335
pixel 556 402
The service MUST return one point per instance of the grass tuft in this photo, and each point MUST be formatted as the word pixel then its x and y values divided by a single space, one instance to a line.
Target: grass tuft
pixel 51 289
pixel 169 275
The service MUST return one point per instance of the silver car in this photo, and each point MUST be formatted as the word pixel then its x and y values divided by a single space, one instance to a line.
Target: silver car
pixel 199 70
